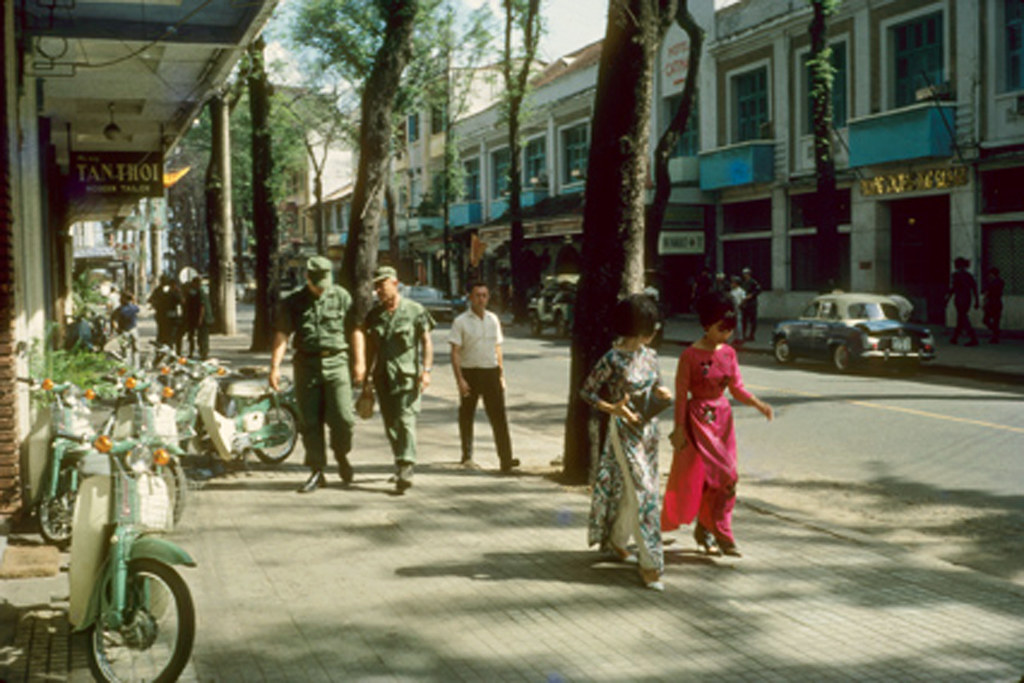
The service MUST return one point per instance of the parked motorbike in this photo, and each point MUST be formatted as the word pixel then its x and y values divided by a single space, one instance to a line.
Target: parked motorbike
pixel 124 591
pixel 141 411
pixel 240 415
pixel 51 474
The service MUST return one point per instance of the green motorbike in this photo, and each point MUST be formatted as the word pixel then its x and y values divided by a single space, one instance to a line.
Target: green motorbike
pixel 124 591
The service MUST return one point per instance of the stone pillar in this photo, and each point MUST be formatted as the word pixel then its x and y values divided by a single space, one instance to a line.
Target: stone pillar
pixel 222 147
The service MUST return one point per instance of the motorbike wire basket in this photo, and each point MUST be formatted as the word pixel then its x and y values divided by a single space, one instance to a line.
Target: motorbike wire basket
pixel 143 498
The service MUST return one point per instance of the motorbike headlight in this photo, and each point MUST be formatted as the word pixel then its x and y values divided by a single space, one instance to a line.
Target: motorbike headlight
pixel 139 459
pixel 154 393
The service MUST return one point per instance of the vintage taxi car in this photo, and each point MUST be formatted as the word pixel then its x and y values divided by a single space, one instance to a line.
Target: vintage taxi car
pixel 850 330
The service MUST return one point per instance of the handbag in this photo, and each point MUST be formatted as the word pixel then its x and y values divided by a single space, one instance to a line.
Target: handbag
pixel 364 404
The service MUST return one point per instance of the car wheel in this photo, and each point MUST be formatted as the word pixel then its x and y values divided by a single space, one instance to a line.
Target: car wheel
pixel 783 351
pixel 841 360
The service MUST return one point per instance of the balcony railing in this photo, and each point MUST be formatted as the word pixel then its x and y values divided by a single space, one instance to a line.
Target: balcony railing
pixel 741 164
pixel 466 213
pixel 914 132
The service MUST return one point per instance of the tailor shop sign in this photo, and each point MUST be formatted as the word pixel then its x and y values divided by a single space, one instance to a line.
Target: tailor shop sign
pixel 912 181
pixel 116 175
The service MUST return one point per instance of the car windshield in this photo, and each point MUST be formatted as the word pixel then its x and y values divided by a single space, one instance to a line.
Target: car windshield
pixel 418 292
pixel 873 311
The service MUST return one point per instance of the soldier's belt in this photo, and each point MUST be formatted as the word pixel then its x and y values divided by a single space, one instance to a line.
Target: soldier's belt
pixel 318 354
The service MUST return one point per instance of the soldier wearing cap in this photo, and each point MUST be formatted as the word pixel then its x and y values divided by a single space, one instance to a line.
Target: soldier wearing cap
pixel 320 317
pixel 399 358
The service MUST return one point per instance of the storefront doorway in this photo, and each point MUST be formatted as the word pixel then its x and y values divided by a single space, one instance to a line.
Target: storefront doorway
pixel 920 254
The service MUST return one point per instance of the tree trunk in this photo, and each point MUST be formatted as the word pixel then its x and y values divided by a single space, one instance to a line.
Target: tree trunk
pixel 264 215
pixel 225 291
pixel 374 150
pixel 676 128
pixel 318 216
pixel 613 214
pixel 826 214
pixel 212 191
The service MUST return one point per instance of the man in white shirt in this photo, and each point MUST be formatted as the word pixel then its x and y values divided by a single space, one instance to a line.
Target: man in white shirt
pixel 475 340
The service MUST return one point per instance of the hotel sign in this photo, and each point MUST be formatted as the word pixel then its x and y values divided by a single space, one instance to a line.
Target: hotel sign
pixel 120 175
pixel 913 181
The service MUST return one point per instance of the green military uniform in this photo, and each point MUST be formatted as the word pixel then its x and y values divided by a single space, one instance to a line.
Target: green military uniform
pixel 395 336
pixel 323 389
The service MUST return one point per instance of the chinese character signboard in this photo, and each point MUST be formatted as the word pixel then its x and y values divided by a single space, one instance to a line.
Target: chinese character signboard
pixel 116 175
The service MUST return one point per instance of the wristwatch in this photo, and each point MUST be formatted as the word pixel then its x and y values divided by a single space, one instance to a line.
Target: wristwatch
pixel 427 369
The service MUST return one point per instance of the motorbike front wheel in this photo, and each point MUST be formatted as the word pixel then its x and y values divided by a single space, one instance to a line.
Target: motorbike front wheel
pixel 54 515
pixel 173 473
pixel 155 639
pixel 281 417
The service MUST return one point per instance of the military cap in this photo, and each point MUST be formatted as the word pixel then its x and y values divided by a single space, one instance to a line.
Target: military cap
pixel 385 273
pixel 318 268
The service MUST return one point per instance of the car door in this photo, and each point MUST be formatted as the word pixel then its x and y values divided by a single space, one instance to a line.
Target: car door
pixel 800 332
pixel 820 328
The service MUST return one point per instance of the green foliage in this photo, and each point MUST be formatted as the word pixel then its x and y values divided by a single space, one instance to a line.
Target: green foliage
pixel 82 368
pixel 84 295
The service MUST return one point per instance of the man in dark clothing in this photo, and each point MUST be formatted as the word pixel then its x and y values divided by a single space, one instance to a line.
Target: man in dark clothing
pixel 701 286
pixel 319 319
pixel 198 318
pixel 748 307
pixel 166 300
pixel 963 288
pixel 993 303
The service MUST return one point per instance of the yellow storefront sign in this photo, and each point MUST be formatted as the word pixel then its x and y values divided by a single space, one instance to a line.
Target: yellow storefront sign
pixel 913 181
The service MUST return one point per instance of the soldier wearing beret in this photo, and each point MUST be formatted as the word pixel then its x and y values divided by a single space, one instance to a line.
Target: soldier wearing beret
pixel 319 317
pixel 399 358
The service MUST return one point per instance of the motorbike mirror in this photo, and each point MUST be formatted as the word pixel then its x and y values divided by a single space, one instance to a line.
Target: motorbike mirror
pixel 103 443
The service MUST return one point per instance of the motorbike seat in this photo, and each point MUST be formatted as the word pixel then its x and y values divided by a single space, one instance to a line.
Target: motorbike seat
pixel 245 388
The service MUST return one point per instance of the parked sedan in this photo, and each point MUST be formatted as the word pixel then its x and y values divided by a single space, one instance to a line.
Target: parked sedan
pixel 849 329
pixel 441 307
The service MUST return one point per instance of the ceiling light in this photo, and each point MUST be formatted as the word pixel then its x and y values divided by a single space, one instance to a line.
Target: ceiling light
pixel 112 130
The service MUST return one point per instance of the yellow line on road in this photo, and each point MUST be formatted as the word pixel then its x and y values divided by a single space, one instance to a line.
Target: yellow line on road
pixel 898 409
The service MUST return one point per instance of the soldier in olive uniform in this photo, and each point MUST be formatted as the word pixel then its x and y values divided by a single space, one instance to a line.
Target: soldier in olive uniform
pixel 399 356
pixel 320 316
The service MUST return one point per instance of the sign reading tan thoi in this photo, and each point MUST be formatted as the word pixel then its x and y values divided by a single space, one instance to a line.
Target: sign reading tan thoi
pixel 116 174
pixel 912 181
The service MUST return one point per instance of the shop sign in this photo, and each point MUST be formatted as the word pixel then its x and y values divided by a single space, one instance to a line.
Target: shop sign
pixel 675 60
pixel 913 181
pixel 674 242
pixel 116 175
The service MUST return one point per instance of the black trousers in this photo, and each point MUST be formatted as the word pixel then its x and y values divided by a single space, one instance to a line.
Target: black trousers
pixel 484 382
pixel 963 323
pixel 748 316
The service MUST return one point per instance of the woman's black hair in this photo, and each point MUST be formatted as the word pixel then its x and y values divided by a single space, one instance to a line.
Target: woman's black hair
pixel 714 307
pixel 635 316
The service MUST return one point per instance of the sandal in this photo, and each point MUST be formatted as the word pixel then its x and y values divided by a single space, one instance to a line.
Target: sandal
pixel 706 540
pixel 623 555
pixel 651 579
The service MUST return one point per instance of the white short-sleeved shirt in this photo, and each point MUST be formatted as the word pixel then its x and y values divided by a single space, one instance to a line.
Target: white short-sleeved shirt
pixel 477 338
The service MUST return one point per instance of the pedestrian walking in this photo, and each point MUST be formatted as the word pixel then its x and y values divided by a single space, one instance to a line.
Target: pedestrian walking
pixel 475 339
pixel 399 359
pixel 992 305
pixel 198 318
pixel 748 307
pixel 319 317
pixel 737 294
pixel 963 288
pixel 701 285
pixel 626 384
pixel 166 303
pixel 702 482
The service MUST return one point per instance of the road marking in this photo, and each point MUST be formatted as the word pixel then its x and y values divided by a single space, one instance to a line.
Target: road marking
pixel 898 409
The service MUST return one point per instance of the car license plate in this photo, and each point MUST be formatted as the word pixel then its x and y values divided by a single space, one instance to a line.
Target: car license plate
pixel 901 344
